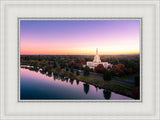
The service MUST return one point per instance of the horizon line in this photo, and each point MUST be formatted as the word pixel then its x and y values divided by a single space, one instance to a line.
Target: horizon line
pixel 80 54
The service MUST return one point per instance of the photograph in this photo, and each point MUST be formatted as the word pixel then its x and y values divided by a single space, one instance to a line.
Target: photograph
pixel 80 59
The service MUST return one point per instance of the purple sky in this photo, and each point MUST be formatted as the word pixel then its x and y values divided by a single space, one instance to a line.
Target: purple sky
pixel 79 36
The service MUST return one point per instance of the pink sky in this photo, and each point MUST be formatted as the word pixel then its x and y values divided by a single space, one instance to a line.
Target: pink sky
pixel 79 37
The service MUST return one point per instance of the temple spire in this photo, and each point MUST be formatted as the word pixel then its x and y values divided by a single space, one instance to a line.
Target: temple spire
pixel 96 51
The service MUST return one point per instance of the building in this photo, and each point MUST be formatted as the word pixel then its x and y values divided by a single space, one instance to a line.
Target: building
pixel 97 61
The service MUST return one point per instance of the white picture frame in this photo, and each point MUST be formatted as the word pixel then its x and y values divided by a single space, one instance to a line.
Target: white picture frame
pixel 147 108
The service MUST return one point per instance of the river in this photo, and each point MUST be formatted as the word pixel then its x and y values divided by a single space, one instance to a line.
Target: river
pixel 37 86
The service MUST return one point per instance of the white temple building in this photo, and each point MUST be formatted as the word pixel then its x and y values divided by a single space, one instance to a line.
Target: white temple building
pixel 97 61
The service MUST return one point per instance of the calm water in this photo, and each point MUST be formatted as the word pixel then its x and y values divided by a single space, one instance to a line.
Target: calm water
pixel 37 86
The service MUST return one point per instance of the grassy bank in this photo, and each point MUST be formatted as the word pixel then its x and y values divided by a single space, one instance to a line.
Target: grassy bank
pixel 106 85
pixel 115 87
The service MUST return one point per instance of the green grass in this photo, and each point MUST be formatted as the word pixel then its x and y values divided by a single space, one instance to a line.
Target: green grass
pixel 118 87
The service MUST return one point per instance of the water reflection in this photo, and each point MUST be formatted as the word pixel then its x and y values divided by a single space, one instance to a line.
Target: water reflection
pixel 106 94
pixel 96 88
pixel 49 74
pixel 66 80
pixel 77 81
pixel 35 85
pixel 55 76
pixel 86 88
pixel 62 79
pixel 31 68
pixel 71 81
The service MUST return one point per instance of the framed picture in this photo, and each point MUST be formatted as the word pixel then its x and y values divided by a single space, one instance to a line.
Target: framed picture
pixel 70 59
pixel 79 60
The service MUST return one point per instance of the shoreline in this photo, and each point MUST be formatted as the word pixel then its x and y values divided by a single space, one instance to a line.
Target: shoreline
pixel 107 85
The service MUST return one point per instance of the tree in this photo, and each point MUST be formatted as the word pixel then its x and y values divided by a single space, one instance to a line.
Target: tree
pixel 49 68
pixel 54 64
pixel 57 70
pixel 91 70
pixel 137 69
pixel 77 72
pixel 86 71
pixel 72 70
pixel 63 73
pixel 71 76
pixel 119 69
pixel 33 63
pixel 39 58
pixel 100 68
pixel 106 94
pixel 137 81
pixel 67 69
pixel 86 88
pixel 107 75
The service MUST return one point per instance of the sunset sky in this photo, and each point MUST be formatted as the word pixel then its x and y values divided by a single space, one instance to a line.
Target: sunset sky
pixel 79 37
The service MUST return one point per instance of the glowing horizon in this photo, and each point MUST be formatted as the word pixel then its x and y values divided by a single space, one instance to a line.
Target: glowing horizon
pixel 79 37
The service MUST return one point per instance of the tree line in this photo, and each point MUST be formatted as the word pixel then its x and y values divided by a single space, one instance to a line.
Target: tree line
pixel 122 64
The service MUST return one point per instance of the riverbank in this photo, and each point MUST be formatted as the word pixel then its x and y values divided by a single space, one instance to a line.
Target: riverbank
pixel 107 85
